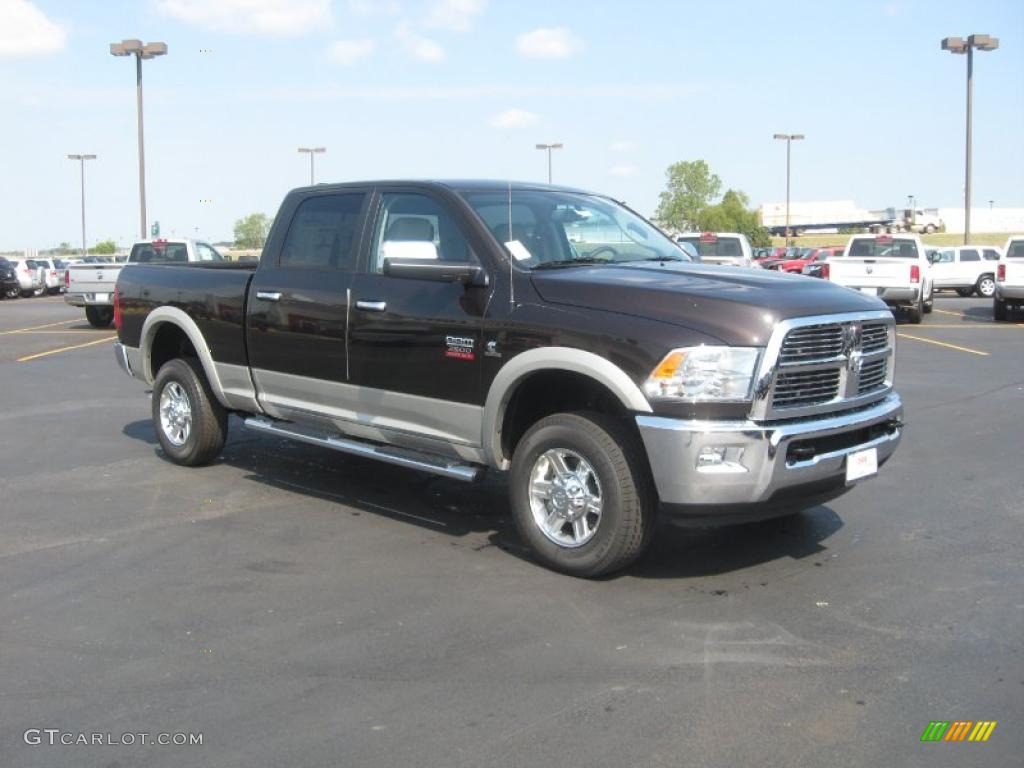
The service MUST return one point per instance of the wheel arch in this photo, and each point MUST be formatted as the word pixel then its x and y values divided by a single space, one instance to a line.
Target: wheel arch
pixel 545 360
pixel 158 320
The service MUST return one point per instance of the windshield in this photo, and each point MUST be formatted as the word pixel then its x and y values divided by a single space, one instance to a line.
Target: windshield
pixel 556 228
pixel 722 247
pixel 889 247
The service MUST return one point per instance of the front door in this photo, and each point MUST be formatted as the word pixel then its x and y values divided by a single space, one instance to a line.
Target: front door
pixel 298 308
pixel 415 345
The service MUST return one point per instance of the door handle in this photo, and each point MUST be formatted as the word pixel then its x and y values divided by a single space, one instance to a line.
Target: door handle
pixel 372 306
pixel 268 295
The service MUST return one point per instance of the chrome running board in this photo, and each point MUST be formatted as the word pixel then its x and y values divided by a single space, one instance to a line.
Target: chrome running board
pixel 425 462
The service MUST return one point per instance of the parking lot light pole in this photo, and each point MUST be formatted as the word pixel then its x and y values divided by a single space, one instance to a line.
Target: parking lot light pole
pixel 549 147
pixel 312 151
pixel 790 138
pixel 81 162
pixel 959 45
pixel 140 51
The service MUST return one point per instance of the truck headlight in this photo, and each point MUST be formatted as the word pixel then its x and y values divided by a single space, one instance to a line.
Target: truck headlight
pixel 704 373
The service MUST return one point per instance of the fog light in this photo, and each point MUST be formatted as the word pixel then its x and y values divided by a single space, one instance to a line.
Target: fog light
pixel 720 459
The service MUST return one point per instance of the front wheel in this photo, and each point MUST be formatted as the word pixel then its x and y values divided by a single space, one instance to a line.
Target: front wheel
pixel 99 317
pixel 190 424
pixel 582 497
pixel 986 286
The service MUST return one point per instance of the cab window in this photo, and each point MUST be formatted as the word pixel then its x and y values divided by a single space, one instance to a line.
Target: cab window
pixel 322 234
pixel 969 254
pixel 413 226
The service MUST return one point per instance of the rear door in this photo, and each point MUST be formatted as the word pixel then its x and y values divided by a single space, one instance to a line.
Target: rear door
pixel 968 266
pixel 415 345
pixel 298 309
pixel 944 269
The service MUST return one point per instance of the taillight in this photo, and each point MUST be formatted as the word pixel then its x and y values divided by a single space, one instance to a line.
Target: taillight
pixel 915 273
pixel 825 272
pixel 117 308
pixel 1001 273
pixel 67 278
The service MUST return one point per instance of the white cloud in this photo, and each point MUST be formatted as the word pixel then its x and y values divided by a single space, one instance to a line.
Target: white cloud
pixel 514 118
pixel 622 146
pixel 350 51
pixel 623 170
pixel 456 15
pixel 423 48
pixel 373 8
pixel 279 18
pixel 25 30
pixel 548 43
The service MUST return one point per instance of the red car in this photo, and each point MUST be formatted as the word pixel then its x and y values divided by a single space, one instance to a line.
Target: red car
pixel 813 255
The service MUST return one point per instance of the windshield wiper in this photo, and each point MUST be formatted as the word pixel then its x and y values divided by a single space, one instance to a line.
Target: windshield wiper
pixel 583 261
pixel 654 258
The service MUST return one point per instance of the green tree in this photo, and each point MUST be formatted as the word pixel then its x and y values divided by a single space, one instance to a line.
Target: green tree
pixel 732 215
pixel 104 247
pixel 251 232
pixel 689 189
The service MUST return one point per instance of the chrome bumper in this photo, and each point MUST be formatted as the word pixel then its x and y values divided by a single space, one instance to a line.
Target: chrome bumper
pixel 1006 292
pixel 757 465
pixel 88 300
pixel 129 359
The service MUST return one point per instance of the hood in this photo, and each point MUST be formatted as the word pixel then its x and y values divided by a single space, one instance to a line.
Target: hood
pixel 737 305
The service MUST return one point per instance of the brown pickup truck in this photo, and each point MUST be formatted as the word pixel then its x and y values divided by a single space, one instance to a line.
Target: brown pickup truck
pixel 460 327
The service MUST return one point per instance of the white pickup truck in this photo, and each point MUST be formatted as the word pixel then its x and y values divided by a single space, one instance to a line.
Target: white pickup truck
pixel 92 285
pixel 966 269
pixel 895 268
pixel 1010 279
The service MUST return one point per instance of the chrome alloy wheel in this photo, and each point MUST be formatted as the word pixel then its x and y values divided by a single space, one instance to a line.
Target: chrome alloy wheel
pixel 175 413
pixel 565 497
pixel 986 287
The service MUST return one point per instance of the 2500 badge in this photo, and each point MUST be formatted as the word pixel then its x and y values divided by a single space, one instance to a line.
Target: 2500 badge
pixel 460 347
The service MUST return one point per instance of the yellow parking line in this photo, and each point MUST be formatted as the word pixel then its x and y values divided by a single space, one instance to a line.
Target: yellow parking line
pixel 35 327
pixel 947 312
pixel 65 349
pixel 943 344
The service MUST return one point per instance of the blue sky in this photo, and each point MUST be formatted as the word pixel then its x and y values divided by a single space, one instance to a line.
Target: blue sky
pixel 465 88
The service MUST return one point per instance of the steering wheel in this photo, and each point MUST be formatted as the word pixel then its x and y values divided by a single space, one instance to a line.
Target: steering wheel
pixel 594 253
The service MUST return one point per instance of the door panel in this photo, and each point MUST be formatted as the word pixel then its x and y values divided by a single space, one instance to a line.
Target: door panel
pixel 411 339
pixel 298 308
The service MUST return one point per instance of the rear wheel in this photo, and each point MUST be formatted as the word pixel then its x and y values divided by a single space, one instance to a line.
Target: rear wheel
pixel 999 309
pixel 190 424
pixel 12 293
pixel 99 317
pixel 915 313
pixel 986 286
pixel 929 228
pixel 582 497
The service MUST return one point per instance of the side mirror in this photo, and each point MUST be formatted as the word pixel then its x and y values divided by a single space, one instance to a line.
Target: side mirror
pixel 436 271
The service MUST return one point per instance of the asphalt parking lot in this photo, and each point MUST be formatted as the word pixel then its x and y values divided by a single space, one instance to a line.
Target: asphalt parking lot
pixel 301 608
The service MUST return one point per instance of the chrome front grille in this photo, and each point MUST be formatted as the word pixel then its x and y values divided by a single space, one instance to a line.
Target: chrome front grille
pixel 872 376
pixel 806 388
pixel 825 364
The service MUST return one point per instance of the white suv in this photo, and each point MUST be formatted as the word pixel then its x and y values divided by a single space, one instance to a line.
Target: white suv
pixel 966 269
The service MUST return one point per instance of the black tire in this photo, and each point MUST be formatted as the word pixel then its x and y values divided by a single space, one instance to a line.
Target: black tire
pixel 12 293
pixel 999 309
pixel 99 317
pixel 627 493
pixel 986 286
pixel 964 292
pixel 209 421
pixel 915 313
pixel 929 228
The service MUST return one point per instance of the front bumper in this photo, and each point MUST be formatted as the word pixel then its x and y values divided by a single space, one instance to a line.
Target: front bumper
pixel 763 468
pixel 89 299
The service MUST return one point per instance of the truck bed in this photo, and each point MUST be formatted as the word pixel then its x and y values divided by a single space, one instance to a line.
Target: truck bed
pixel 211 293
